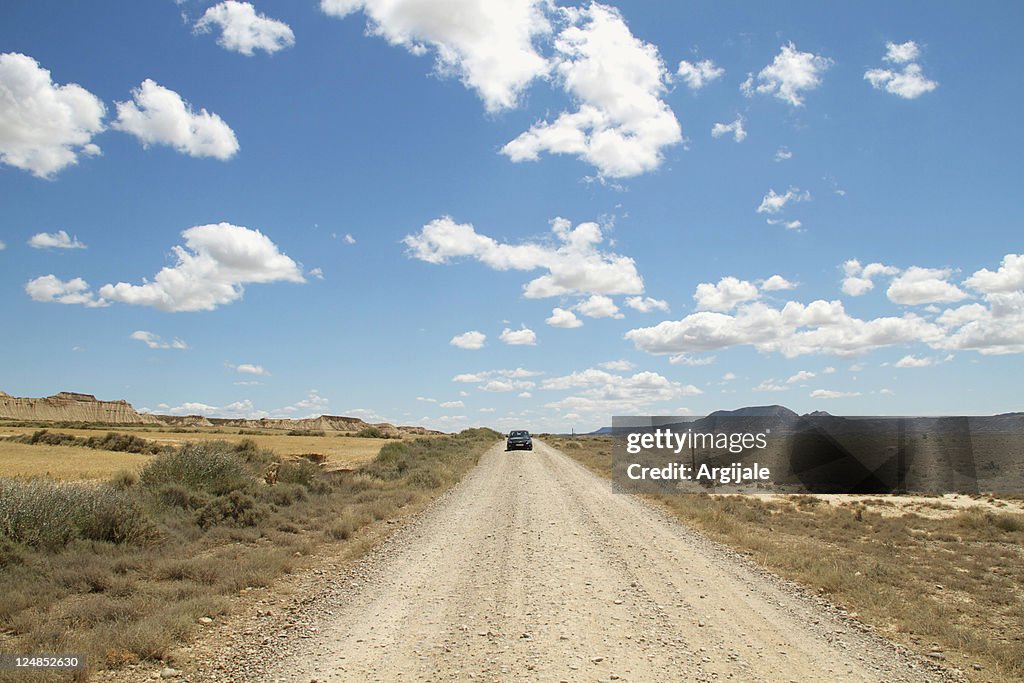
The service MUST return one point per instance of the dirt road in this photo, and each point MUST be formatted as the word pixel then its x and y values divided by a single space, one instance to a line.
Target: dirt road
pixel 532 569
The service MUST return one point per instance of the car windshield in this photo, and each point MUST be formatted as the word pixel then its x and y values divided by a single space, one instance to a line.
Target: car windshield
pixel 512 434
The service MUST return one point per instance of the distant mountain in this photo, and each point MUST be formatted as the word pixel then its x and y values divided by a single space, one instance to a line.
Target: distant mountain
pixel 775 411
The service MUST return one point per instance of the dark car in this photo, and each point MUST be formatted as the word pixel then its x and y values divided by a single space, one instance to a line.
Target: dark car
pixel 519 440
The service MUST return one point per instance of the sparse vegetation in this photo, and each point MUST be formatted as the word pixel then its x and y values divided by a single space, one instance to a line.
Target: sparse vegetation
pixel 121 571
pixel 951 581
pixel 111 441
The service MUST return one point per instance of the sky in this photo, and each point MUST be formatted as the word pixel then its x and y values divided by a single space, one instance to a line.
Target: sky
pixel 520 214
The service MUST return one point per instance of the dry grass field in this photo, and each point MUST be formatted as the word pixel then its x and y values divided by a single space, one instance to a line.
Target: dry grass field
pixel 64 462
pixel 67 462
pixel 943 575
pixel 127 569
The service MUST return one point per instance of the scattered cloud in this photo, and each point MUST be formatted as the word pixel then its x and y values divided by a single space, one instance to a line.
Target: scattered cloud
pixel 598 391
pixel 159 116
pixel 829 393
pixel 1009 277
pixel 697 75
pixel 777 283
pixel 599 306
pixel 54 240
pixel 318 273
pixel 773 202
pixel 622 124
pixel 770 385
pixel 789 75
pixel 828 371
pixel 211 269
pixel 518 377
pixel 789 225
pixel 739 134
pixel 783 154
pixel 51 289
pixel 574 265
pixel 471 340
pixel 858 280
pixel 911 361
pixel 910 83
pixel 646 304
pixel 990 330
pixel 154 341
pixel 563 318
pixel 348 239
pixel 2 246
pixel 521 337
pixel 924 286
pixel 618 365
pixel 489 46
pixel 686 359
pixel 821 327
pixel 453 404
pixel 44 126
pixel 248 369
pixel 725 295
pixel 243 30
pixel 801 376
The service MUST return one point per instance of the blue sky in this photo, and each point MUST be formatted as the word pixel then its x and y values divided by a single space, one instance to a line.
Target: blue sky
pixel 341 193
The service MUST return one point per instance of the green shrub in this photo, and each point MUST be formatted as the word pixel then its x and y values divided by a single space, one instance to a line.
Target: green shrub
pixel 304 473
pixel 211 467
pixel 306 432
pixel 47 514
pixel 284 494
pixel 371 433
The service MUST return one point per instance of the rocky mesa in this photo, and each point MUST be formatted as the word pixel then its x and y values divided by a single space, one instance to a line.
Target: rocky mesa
pixel 69 406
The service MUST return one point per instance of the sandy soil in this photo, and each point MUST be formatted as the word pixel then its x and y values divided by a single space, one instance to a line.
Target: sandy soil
pixel 532 569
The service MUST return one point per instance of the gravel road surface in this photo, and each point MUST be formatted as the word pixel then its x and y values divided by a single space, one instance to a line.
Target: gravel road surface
pixel 533 570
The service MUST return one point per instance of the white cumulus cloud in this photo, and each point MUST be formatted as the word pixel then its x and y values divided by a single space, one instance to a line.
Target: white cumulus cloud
pixel 211 270
pixel 646 304
pixel 909 83
pixel 574 265
pixel 917 286
pixel 829 393
pixel 599 306
pixel 777 283
pixel 471 340
pixel 244 30
pixel 521 337
pixel 821 327
pixel 249 369
pixel 1009 277
pixel 44 126
pixel 488 45
pixel 54 240
pixel 789 75
pixel 621 125
pixel 739 134
pixel 697 75
pixel 51 289
pixel 154 341
pixel 858 279
pixel 773 202
pixel 598 391
pixel 563 318
pixel 159 116
pixel 725 295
